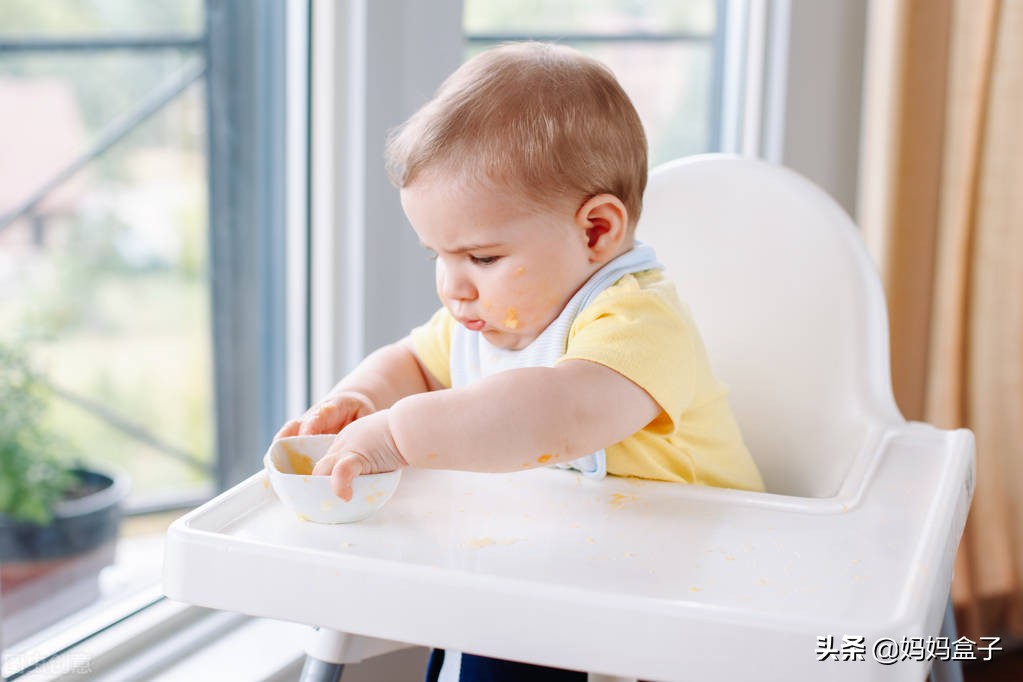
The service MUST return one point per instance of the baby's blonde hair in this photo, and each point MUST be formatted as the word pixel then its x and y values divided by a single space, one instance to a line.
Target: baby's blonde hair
pixel 545 119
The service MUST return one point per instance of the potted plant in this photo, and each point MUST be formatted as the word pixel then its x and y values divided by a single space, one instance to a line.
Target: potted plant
pixel 51 509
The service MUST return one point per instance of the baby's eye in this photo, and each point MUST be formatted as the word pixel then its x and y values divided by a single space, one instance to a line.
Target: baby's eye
pixel 483 260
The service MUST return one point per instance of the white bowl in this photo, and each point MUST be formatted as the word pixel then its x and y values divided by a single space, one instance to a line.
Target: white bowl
pixel 289 464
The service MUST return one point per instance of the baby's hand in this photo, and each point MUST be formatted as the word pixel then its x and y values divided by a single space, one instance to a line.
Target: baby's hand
pixel 363 447
pixel 330 415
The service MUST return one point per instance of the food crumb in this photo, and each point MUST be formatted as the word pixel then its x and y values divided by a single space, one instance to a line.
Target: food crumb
pixel 619 500
pixel 696 589
pixel 543 459
pixel 729 558
pixel 345 545
pixel 327 505
pixel 512 319
pixel 266 482
pixel 302 517
pixel 371 499
pixel 591 541
pixel 478 543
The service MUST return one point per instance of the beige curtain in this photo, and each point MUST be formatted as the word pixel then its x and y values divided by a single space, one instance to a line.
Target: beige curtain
pixel 941 205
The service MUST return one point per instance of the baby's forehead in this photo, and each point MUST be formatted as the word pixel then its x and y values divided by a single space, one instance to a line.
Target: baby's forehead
pixel 459 182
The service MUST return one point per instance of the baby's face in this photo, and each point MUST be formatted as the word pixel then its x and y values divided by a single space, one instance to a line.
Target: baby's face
pixel 505 267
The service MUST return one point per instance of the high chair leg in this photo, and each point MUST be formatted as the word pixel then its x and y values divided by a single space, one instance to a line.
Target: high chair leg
pixel 327 652
pixel 315 670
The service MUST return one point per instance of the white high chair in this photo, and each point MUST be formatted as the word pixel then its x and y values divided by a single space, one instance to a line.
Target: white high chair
pixel 654 580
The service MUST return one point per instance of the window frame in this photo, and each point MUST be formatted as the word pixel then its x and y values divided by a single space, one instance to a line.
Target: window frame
pixel 246 88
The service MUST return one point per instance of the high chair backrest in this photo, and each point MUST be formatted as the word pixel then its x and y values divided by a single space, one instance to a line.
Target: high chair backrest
pixel 790 308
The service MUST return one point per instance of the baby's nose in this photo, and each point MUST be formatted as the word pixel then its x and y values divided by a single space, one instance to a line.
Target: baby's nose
pixel 457 287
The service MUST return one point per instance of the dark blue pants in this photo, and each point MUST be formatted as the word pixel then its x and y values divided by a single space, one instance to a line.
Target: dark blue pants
pixel 482 669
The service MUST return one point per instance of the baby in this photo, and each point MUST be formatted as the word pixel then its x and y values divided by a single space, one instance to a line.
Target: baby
pixel 560 341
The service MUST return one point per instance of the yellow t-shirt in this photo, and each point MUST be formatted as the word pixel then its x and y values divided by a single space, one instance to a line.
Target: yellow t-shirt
pixel 640 329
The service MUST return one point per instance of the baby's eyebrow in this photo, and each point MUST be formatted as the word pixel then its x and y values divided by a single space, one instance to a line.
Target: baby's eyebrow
pixel 466 247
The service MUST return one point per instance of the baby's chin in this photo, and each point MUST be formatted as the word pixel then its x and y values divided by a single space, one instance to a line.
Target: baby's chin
pixel 500 338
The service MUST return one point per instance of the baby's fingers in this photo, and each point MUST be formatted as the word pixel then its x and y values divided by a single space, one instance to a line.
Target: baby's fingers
pixel 289 429
pixel 342 469
pixel 325 465
pixel 326 419
pixel 346 468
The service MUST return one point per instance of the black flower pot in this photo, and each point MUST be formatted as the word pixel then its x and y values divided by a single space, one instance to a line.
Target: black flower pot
pixel 79 525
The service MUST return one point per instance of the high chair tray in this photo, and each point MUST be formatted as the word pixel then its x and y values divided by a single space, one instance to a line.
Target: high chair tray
pixel 623 577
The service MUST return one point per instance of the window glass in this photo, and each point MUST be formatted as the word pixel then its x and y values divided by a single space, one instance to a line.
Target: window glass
pixel 104 277
pixel 588 16
pixel 99 18
pixel 661 52
pixel 104 281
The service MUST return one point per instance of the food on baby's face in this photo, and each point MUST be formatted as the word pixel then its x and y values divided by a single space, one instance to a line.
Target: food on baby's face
pixel 512 319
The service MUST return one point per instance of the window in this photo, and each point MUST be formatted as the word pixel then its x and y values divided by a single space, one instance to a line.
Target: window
pixel 142 210
pixel 666 54
pixel 103 234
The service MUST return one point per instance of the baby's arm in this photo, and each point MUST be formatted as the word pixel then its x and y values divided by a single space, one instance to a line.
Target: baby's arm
pixel 521 418
pixel 510 421
pixel 380 380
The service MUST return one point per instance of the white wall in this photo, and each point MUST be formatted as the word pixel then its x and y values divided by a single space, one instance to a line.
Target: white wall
pixel 373 63
pixel 412 47
pixel 824 94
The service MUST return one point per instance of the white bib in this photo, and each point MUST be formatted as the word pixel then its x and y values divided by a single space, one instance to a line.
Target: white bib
pixel 473 357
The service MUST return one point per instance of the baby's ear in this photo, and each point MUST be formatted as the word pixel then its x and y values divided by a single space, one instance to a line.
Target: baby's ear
pixel 605 222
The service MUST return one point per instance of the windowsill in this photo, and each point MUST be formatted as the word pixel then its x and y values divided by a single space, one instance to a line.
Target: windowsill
pixel 170 641
pixel 63 605
pixel 129 627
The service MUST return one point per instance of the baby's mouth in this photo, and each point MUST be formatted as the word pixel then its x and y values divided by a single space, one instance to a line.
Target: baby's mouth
pixel 474 325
